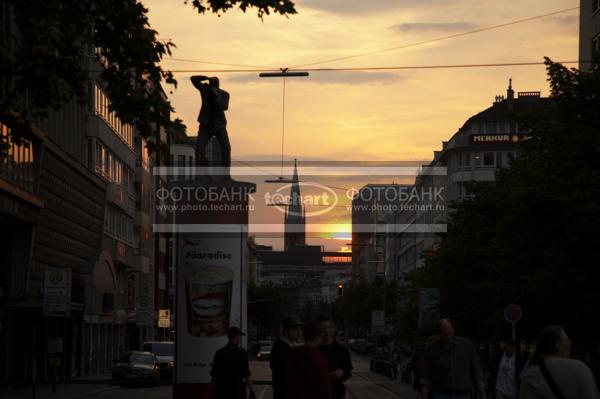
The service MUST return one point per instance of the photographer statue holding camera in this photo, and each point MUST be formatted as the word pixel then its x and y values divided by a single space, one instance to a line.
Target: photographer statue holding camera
pixel 213 123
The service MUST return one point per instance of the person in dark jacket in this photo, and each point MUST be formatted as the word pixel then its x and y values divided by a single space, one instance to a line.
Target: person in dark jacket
pixel 451 366
pixel 308 373
pixel 281 354
pixel 338 357
pixel 230 371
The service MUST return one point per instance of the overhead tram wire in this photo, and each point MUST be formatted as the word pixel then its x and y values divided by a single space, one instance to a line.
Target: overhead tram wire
pixel 272 69
pixel 221 63
pixel 484 29
pixel 385 68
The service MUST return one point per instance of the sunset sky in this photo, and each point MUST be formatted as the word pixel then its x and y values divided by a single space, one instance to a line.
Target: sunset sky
pixel 367 115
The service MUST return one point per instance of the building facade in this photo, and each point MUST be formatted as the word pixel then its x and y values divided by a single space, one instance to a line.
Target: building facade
pixel 485 143
pixel 372 207
pixel 71 209
pixel 589 34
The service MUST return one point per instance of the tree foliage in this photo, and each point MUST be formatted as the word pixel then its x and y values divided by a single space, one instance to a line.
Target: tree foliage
pixel 45 59
pixel 352 311
pixel 283 7
pixel 267 306
pixel 531 237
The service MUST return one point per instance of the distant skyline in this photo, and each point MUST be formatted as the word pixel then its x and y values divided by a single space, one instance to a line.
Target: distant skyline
pixel 367 115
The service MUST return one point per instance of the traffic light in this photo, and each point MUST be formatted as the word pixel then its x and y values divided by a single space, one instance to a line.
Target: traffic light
pixel 340 289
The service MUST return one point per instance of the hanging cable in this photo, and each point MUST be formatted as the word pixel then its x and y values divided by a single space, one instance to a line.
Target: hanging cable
pixel 220 63
pixel 393 68
pixel 282 124
pixel 484 29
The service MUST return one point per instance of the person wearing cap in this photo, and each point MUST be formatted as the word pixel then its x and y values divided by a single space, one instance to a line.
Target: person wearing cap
pixel 230 370
pixel 281 354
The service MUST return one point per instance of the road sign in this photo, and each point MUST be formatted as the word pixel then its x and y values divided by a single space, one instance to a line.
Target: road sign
pixel 164 318
pixel 512 313
pixel 57 293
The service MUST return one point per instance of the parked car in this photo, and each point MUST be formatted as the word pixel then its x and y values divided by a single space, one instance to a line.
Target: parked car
pixel 264 353
pixel 165 354
pixel 136 368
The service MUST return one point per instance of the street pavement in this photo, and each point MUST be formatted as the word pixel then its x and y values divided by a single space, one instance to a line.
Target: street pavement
pixel 364 384
pixel 63 391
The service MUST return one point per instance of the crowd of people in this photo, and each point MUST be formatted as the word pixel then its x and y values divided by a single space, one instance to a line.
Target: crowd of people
pixel 451 368
pixel 307 362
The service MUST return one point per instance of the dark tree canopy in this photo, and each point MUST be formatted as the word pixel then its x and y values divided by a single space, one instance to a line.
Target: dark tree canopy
pixel 44 59
pixel 531 237
pixel 283 7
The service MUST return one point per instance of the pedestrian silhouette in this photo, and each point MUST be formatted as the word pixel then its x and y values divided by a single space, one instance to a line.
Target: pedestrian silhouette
pixel 338 357
pixel 231 371
pixel 281 355
pixel 308 374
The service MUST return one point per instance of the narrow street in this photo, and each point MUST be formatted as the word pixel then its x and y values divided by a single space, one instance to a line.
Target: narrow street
pixel 363 385
pixel 160 392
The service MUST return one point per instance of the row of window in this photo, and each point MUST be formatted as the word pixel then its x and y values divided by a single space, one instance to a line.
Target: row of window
pixel 101 104
pixel 113 169
pixel 494 127
pixel 486 159
pixel 118 224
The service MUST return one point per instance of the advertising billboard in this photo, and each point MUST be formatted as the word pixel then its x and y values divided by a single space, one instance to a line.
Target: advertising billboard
pixel 210 295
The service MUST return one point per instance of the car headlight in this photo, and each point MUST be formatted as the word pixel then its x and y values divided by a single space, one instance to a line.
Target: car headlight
pixel 171 364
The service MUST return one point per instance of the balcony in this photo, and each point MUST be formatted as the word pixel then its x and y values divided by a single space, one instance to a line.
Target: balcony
pixel 20 164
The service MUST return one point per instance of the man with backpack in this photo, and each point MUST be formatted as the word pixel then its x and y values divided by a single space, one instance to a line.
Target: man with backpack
pixel 213 123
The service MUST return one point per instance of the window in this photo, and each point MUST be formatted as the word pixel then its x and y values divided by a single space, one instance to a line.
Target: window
pixel 145 155
pixel 113 168
pixel 131 182
pixel 489 158
pixel 99 157
pixel 499 159
pixel 123 130
pixel 467 159
pixel 476 159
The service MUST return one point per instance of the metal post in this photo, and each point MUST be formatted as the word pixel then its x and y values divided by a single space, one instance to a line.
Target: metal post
pixel 514 330
pixel 33 360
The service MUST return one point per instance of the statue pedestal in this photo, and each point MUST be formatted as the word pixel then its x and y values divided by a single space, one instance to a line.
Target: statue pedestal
pixel 210 226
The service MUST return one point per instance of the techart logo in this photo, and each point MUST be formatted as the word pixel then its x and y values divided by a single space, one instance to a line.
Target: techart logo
pixel 316 199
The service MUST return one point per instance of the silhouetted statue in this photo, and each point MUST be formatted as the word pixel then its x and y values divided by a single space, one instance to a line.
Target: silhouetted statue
pixel 212 121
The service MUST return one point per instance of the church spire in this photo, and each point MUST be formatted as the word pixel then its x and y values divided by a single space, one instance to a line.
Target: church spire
pixel 294 217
